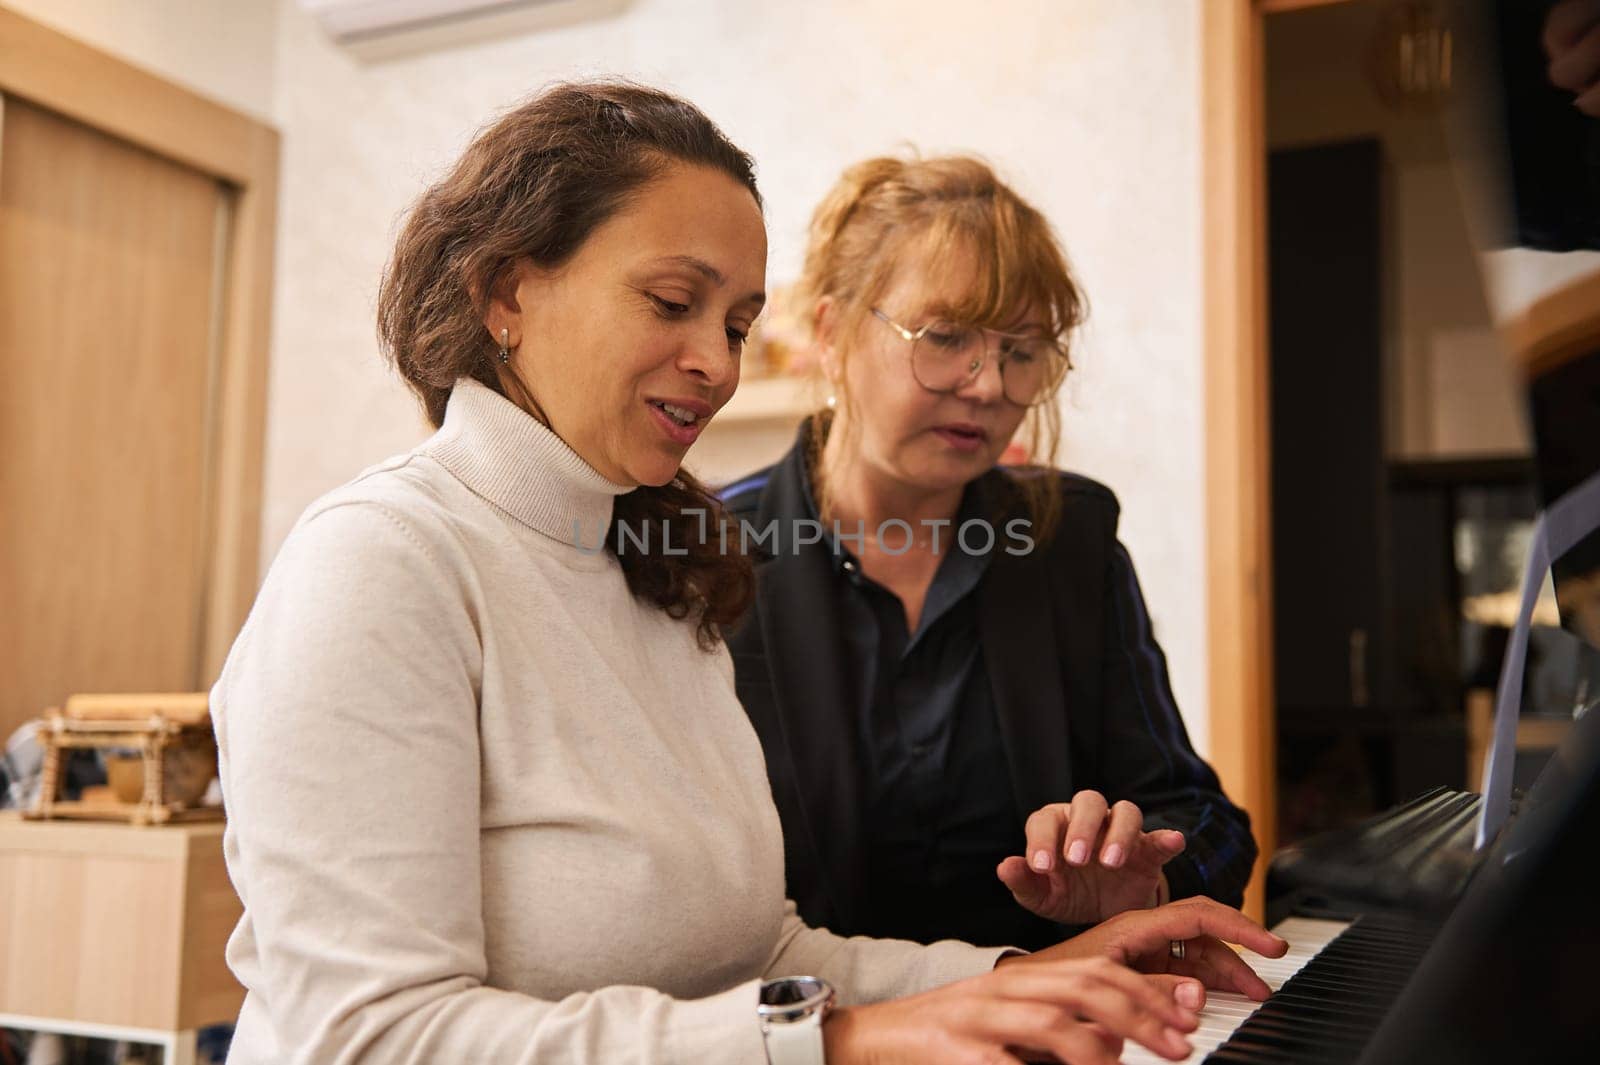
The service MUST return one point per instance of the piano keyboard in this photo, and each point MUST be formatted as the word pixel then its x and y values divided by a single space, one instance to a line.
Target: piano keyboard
pixel 1225 1011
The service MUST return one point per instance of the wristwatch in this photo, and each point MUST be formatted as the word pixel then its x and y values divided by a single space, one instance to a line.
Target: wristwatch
pixel 791 1011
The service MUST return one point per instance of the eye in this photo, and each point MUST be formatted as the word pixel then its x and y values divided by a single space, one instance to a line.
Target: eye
pixel 668 307
pixel 736 338
pixel 947 336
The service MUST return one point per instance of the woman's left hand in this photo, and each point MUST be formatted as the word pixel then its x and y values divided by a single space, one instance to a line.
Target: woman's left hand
pixel 1087 862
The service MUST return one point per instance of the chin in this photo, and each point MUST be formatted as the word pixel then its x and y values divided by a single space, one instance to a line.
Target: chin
pixel 947 476
pixel 655 471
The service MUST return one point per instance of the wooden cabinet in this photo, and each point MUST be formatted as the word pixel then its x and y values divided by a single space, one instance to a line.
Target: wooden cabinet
pixel 116 931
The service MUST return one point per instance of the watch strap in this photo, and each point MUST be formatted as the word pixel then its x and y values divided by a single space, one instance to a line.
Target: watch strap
pixel 794 1042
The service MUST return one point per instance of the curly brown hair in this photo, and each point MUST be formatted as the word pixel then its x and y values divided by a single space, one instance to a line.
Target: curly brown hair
pixel 533 186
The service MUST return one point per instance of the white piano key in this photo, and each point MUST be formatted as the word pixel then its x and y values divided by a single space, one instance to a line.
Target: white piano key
pixel 1225 1011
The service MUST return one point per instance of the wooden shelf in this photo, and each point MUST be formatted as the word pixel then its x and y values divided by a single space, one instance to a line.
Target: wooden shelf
pixel 767 399
pixel 1558 327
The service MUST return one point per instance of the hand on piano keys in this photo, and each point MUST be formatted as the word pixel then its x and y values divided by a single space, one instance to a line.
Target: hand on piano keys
pixel 1225 1011
pixel 1144 940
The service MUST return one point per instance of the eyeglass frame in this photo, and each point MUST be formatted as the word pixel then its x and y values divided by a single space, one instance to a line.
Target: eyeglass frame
pixel 911 336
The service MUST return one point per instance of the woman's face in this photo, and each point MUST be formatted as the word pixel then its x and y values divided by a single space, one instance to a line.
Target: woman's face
pixel 634 344
pixel 920 439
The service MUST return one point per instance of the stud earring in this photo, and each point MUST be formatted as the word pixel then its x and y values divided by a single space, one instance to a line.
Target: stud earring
pixel 832 401
pixel 505 346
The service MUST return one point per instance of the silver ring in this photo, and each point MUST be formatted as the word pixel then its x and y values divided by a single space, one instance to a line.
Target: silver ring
pixel 1177 949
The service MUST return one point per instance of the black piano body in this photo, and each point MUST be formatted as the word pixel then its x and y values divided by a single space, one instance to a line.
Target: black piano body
pixel 1453 957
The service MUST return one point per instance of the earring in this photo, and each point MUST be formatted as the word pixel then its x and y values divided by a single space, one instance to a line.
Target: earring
pixel 832 401
pixel 505 346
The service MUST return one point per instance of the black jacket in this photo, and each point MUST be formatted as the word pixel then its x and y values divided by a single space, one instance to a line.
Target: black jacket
pixel 1080 692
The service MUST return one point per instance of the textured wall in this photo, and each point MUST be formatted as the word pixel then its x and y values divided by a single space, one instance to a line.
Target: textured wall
pixel 1089 106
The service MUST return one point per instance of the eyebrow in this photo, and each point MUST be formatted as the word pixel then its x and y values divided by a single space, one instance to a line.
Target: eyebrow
pixel 699 266
pixel 709 272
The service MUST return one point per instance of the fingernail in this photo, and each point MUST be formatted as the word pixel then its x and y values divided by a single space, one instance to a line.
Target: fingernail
pixel 1177 1042
pixel 1189 995
pixel 1078 853
pixel 1113 855
pixel 1041 860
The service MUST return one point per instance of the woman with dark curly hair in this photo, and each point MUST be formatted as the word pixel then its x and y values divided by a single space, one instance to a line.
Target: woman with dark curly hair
pixel 491 794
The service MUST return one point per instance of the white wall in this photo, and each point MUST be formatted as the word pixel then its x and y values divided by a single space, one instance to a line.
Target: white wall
pixel 1089 106
pixel 223 49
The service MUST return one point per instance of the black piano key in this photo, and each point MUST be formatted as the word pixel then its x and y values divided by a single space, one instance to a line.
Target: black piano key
pixel 1325 1013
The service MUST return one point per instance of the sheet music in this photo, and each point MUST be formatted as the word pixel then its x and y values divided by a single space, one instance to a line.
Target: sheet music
pixel 1560 528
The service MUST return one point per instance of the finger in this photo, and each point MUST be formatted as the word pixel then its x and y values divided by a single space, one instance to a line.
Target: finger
pixel 1216 965
pixel 1108 1039
pixel 1589 102
pixel 1088 821
pixel 1132 1017
pixel 1153 850
pixel 1044 830
pixel 1577 67
pixel 1122 834
pixel 1170 840
pixel 1068 983
pixel 1109 1011
pixel 979 1050
pixel 1029 888
pixel 1195 917
pixel 1084 1042
pixel 1187 991
pixel 1567 22
pixel 1079 1042
pixel 1043 1026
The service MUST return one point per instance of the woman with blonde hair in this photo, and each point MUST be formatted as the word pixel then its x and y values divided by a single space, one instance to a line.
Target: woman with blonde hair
pixel 491 797
pixel 967 721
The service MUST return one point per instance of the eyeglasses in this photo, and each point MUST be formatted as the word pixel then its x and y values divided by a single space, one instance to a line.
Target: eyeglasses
pixel 947 356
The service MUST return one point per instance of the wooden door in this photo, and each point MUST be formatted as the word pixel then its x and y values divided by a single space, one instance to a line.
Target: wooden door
pixel 136 222
pixel 109 304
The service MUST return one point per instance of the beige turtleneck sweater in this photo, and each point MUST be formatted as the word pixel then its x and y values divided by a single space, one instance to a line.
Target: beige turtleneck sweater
pixel 484 805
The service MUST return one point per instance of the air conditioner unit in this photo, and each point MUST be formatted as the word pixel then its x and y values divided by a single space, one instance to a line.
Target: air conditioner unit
pixel 349 21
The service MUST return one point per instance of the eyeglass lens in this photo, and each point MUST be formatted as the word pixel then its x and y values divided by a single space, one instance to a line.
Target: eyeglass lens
pixel 947 356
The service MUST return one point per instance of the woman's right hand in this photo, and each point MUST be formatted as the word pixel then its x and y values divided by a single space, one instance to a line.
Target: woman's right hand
pixel 1077 1010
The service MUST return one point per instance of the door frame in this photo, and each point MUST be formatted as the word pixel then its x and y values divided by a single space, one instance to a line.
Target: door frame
pixel 56 72
pixel 1243 730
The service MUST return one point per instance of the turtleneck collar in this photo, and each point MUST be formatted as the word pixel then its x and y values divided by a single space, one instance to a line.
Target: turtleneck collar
pixel 515 462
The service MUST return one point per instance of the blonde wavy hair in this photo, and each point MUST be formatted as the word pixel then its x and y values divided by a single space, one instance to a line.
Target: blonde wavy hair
pixel 882 207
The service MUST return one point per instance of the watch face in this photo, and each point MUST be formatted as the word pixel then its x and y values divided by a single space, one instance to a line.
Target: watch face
pixel 793 997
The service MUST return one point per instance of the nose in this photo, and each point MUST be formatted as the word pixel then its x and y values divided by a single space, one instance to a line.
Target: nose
pixel 987 387
pixel 708 358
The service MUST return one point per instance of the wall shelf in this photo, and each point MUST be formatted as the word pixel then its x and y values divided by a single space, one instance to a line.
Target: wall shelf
pixel 767 399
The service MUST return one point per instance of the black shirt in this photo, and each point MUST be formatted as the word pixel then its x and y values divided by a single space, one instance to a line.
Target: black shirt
pixel 1067 690
pixel 938 814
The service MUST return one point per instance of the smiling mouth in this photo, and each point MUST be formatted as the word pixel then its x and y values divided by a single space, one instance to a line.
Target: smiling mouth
pixel 680 415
